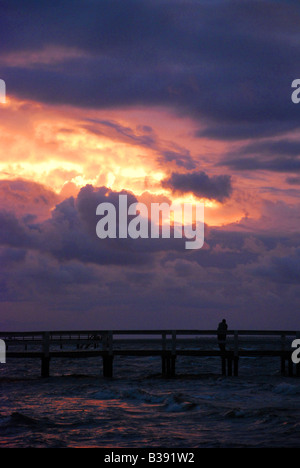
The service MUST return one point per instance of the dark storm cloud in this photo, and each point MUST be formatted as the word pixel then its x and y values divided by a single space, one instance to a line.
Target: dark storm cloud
pixel 278 155
pixel 11 256
pixel 293 180
pixel 244 130
pixel 90 25
pixel 253 164
pixel 181 158
pixel 257 255
pixel 73 228
pixel 13 232
pixel 59 265
pixel 282 147
pixel 228 64
pixel 70 233
pixel 284 269
pixel 200 184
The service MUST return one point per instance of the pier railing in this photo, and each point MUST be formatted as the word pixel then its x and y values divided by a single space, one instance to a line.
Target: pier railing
pixel 169 344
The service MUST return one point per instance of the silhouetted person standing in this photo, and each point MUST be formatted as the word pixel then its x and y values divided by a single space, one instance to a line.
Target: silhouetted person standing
pixel 222 330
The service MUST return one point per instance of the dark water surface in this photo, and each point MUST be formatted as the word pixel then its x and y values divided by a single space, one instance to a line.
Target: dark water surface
pixel 77 407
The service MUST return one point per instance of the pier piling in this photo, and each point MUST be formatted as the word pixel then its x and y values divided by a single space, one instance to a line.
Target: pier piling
pixel 45 369
pixel 108 366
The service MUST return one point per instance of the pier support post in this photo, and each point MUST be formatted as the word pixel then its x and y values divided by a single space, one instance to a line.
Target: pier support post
pixel 236 366
pixel 163 356
pixel 172 370
pixel 290 367
pixel 108 366
pixel 283 356
pixel 229 365
pixel 236 354
pixel 282 365
pixel 108 356
pixel 163 365
pixel 45 369
pixel 223 364
pixel 168 366
pixel 297 366
pixel 172 358
pixel 297 370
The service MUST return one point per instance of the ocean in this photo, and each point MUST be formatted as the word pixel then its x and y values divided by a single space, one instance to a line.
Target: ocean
pixel 76 407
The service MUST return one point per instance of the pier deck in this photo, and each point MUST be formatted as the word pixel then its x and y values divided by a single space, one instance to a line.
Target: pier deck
pixel 166 344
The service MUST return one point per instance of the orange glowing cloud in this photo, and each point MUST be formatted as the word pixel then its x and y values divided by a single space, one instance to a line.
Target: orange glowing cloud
pixel 65 148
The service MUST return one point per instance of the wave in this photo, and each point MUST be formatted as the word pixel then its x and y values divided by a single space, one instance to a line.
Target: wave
pixel 167 402
pixel 130 394
pixel 177 403
pixel 143 396
pixel 236 413
pixel 287 389
pixel 19 419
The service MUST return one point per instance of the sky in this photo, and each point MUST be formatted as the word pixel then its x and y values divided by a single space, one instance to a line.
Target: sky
pixel 165 101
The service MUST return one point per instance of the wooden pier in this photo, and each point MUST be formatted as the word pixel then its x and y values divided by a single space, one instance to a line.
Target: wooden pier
pixel 168 345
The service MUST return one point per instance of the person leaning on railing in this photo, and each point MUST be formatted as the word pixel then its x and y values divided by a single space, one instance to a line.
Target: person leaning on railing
pixel 222 331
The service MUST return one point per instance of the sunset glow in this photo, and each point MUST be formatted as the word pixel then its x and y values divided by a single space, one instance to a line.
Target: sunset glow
pixel 159 104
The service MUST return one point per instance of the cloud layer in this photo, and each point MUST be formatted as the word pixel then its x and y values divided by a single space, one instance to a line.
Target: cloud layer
pixel 228 64
pixel 201 185
pixel 156 100
pixel 59 265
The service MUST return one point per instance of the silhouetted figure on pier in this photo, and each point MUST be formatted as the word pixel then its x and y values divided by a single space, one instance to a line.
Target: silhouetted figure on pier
pixel 222 330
